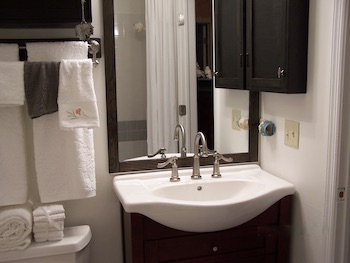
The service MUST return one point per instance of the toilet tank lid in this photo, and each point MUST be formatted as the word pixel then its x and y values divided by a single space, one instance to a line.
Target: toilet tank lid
pixel 75 239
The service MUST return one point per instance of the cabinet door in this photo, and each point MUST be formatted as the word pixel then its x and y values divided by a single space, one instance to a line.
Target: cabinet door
pixel 266 44
pixel 229 44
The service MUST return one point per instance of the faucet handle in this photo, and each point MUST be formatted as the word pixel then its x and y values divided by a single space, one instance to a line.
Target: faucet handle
pixel 174 172
pixel 216 166
pixel 160 151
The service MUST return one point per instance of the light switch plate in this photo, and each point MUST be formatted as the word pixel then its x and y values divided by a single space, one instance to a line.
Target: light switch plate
pixel 236 115
pixel 291 133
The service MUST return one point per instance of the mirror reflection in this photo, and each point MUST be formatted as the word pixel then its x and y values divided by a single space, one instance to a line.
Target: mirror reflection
pixel 164 63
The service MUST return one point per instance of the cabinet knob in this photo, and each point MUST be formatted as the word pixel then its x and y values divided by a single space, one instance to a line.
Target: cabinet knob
pixel 215 249
pixel 280 72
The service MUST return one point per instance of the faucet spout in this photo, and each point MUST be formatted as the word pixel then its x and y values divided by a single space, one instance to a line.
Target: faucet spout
pixel 204 153
pixel 179 129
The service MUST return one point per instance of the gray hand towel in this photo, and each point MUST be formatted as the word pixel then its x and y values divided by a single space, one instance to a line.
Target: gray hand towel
pixel 41 80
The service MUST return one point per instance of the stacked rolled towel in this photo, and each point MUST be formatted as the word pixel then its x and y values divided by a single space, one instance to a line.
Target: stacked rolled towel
pixel 15 227
pixel 48 222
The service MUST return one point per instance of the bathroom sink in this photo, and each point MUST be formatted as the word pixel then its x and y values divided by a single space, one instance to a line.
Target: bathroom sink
pixel 205 205
pixel 208 191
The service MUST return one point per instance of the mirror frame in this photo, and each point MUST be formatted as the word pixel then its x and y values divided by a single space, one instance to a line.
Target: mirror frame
pixel 112 120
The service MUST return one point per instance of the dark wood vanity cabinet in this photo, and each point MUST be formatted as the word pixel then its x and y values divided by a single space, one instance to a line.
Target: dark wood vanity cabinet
pixel 261 45
pixel 264 239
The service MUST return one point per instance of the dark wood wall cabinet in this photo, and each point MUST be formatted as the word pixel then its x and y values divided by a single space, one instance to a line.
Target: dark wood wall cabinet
pixel 261 45
pixel 264 239
pixel 43 13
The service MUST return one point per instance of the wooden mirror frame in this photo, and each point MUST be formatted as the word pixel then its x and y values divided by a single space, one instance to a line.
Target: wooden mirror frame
pixel 112 121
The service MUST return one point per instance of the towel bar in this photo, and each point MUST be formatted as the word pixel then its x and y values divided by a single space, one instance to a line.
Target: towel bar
pixel 94 46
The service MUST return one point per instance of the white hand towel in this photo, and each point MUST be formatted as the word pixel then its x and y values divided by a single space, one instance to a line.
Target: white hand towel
pixel 77 105
pixel 9 52
pixel 55 51
pixel 11 84
pixel 45 219
pixel 40 227
pixel 50 236
pixel 64 159
pixel 43 210
pixel 15 227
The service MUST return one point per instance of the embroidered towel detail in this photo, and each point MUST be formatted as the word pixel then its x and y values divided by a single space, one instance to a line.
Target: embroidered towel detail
pixel 41 87
pixel 55 51
pixel 11 84
pixel 9 52
pixel 76 95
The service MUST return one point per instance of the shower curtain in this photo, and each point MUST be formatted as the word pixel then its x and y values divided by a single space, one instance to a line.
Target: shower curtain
pixel 171 78
pixel 161 75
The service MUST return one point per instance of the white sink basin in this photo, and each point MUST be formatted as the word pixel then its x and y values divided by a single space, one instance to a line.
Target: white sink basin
pixel 205 205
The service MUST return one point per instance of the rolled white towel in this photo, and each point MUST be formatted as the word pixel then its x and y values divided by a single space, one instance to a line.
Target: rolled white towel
pixel 43 210
pixel 49 236
pixel 48 226
pixel 15 227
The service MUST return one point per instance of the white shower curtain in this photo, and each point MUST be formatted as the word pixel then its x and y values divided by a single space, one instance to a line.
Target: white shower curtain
pixel 161 74
pixel 171 77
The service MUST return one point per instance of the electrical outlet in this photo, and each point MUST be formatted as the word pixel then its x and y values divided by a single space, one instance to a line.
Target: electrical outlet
pixel 236 115
pixel 291 134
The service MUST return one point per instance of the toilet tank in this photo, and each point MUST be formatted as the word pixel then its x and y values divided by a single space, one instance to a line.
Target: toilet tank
pixel 73 248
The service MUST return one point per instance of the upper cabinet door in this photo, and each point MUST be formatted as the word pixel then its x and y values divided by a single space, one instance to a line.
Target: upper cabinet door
pixel 43 13
pixel 229 44
pixel 273 51
pixel 277 33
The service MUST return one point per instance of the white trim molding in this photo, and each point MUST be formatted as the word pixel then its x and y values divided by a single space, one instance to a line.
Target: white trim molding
pixel 334 132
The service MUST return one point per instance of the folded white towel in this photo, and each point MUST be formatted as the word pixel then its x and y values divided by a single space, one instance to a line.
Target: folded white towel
pixel 13 161
pixel 15 227
pixel 55 51
pixel 77 105
pixel 11 84
pixel 40 227
pixel 9 52
pixel 43 219
pixel 49 236
pixel 44 210
pixel 64 159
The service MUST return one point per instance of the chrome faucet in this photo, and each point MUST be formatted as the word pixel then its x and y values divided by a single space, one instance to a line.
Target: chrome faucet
pixel 179 129
pixel 204 153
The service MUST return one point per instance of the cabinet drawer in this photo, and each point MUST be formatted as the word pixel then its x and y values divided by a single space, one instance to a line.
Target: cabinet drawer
pixel 243 242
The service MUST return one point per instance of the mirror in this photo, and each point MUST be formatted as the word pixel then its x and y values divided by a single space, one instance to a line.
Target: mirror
pixel 114 69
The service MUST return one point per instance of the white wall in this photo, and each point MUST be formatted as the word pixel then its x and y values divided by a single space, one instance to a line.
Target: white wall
pixel 227 139
pixel 101 212
pixel 305 167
